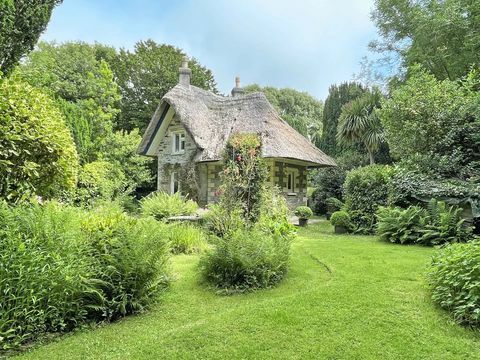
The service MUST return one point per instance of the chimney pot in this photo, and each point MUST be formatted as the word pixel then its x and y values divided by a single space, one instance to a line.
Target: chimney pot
pixel 185 72
pixel 237 90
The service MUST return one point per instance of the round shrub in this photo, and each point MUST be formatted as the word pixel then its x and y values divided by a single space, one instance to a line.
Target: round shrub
pixel 246 260
pixel 341 218
pixel 37 152
pixel 333 204
pixel 454 277
pixel 161 205
pixel 366 189
pixel 303 212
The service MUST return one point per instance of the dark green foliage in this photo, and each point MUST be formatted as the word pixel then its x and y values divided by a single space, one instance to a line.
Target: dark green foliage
pixel 37 153
pixel 145 75
pixel 299 109
pixel 21 24
pixel 338 96
pixel 399 225
pixel 359 123
pixel 442 36
pixel 454 278
pixel 366 189
pixel 61 267
pixel 333 204
pixel 436 225
pixel 247 259
pixel 161 205
pixel 329 184
pixel 411 186
pixel 341 218
pixel 303 212
pixel 443 224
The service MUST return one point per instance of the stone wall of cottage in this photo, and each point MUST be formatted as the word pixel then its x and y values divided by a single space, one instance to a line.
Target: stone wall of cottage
pixel 213 181
pixel 209 173
pixel 167 159
pixel 298 196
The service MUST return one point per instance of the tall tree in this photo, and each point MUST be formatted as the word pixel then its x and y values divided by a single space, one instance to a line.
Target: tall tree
pixel 338 96
pixel 359 123
pixel 443 36
pixel 435 125
pixel 75 74
pixel 301 110
pixel 21 24
pixel 145 75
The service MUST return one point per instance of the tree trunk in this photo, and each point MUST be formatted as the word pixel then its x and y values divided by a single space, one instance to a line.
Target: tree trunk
pixel 372 158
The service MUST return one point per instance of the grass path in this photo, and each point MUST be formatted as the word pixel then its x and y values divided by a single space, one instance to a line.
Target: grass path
pixel 346 297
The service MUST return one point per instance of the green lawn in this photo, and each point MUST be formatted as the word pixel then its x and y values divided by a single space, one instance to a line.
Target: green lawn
pixel 346 297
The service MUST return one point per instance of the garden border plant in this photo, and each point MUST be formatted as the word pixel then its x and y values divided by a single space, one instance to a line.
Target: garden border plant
pixel 249 227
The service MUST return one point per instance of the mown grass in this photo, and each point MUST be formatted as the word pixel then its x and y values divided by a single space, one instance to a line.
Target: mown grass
pixel 345 297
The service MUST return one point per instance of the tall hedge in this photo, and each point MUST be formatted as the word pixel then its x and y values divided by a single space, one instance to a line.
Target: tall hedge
pixel 365 189
pixel 37 153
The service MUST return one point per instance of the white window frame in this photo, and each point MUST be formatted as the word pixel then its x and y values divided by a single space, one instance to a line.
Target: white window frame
pixel 181 136
pixel 174 174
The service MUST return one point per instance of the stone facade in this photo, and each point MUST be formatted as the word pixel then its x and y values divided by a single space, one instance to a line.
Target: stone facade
pixel 208 174
pixel 168 160
pixel 296 195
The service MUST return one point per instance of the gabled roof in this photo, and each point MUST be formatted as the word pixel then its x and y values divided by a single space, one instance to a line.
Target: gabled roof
pixel 211 119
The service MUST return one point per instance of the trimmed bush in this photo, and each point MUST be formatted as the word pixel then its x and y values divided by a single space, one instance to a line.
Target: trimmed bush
pixel 333 204
pixel 366 189
pixel 37 152
pixel 303 212
pixel 185 238
pixel 246 260
pixel 61 266
pixel 161 205
pixel 454 277
pixel 341 219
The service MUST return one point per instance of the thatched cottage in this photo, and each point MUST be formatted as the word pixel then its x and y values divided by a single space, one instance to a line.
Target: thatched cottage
pixel 191 126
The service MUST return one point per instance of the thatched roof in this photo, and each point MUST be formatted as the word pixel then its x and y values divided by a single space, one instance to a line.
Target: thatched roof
pixel 211 119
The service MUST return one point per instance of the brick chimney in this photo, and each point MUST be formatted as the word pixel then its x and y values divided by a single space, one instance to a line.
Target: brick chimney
pixel 237 90
pixel 185 72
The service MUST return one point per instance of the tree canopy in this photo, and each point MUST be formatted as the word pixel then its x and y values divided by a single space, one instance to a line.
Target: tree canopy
pixel 359 123
pixel 435 125
pixel 338 95
pixel 75 74
pixel 442 36
pixel 21 24
pixel 147 73
pixel 301 110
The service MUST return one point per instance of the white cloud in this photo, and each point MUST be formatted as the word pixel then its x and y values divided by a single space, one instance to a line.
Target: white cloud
pixel 303 44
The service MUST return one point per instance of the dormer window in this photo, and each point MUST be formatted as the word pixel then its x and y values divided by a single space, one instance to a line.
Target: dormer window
pixel 178 145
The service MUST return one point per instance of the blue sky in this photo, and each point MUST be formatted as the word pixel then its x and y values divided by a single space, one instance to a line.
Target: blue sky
pixel 302 44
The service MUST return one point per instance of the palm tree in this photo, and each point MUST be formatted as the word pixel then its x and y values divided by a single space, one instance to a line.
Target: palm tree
pixel 359 122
